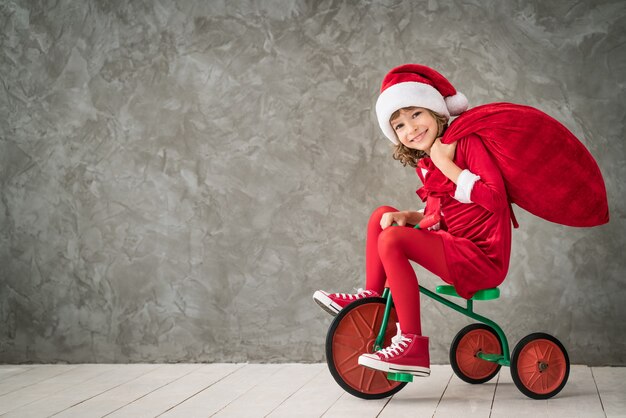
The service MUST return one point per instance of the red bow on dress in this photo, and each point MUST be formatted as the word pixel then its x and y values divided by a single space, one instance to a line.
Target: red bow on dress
pixel 435 182
pixel 437 185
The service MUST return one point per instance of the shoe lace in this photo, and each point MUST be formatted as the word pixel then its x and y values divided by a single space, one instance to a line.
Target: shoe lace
pixel 398 344
pixel 360 293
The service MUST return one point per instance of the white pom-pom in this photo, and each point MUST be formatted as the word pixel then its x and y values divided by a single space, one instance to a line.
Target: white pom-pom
pixel 456 104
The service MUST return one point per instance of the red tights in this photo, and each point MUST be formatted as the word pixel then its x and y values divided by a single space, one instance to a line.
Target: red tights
pixel 387 256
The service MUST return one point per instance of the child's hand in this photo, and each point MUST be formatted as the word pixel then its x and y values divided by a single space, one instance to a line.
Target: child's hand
pixel 443 158
pixel 441 153
pixel 390 217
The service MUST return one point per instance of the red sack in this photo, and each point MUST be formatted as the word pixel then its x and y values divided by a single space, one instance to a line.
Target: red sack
pixel 546 169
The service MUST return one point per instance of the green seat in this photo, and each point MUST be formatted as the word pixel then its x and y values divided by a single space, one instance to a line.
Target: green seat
pixel 486 294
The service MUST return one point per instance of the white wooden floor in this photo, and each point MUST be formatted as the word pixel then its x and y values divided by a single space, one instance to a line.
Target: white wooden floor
pixel 285 390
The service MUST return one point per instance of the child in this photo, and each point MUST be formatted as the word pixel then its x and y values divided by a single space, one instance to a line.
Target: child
pixel 468 242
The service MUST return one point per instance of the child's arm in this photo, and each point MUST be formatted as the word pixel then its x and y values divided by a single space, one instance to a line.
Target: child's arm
pixel 481 183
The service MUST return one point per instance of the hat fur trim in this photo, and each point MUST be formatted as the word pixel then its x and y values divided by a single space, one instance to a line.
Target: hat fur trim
pixel 407 94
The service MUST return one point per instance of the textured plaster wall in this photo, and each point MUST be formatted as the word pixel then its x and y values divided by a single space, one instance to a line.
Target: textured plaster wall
pixel 177 178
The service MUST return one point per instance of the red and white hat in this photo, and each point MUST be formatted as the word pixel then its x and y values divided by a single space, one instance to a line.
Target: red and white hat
pixel 419 86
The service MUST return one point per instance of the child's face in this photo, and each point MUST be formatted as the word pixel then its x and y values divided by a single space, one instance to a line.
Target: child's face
pixel 416 128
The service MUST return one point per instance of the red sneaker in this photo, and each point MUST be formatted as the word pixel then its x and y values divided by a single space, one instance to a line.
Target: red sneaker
pixel 335 302
pixel 408 353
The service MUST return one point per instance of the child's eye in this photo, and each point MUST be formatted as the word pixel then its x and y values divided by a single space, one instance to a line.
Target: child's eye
pixel 416 114
pixel 398 126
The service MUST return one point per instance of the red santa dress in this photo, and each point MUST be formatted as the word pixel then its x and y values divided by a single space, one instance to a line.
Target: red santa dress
pixel 476 217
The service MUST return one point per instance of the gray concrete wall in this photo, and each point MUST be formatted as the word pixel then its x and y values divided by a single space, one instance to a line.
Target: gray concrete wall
pixel 179 177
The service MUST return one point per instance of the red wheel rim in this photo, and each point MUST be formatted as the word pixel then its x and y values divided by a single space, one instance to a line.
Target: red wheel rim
pixel 541 366
pixel 475 341
pixel 355 335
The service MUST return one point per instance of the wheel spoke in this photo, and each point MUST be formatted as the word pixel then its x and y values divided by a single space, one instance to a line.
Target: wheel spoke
pixel 375 323
pixel 532 379
pixel 368 380
pixel 372 375
pixel 485 367
pixel 348 359
pixel 466 351
pixel 350 341
pixel 361 376
pixel 557 368
pixel 475 366
pixel 481 342
pixel 473 343
pixel 560 363
pixel 355 327
pixel 355 366
pixel 371 322
pixel 554 375
pixel 364 327
pixel 381 381
pixel 528 368
pixel 548 354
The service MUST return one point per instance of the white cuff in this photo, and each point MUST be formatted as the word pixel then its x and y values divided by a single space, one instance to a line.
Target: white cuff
pixel 464 186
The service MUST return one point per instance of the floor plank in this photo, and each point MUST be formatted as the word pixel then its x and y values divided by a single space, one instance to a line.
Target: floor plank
pixel 43 389
pixel 466 400
pixel 218 395
pixel 509 402
pixel 611 383
pixel 118 397
pixel 264 398
pixel 348 406
pixel 32 376
pixel 61 401
pixel 12 370
pixel 176 392
pixel 421 397
pixel 312 399
pixel 579 398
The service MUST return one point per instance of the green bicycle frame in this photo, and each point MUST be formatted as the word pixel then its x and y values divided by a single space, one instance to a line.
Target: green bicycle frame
pixel 503 359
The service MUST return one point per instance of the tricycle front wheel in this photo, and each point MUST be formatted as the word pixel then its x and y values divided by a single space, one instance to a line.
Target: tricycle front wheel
pixel 352 333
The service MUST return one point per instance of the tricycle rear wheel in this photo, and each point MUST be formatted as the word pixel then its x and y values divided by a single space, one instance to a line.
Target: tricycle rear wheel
pixel 471 340
pixel 540 366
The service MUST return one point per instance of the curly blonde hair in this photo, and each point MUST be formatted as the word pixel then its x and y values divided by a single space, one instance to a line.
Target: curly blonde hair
pixel 411 156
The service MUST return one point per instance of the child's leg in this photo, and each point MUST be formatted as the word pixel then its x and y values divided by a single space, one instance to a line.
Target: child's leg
pixel 374 271
pixel 398 245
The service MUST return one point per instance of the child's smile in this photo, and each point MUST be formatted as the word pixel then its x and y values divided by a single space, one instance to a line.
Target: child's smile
pixel 419 136
pixel 416 128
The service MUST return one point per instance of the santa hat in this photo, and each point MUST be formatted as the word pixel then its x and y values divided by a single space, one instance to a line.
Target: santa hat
pixel 420 86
